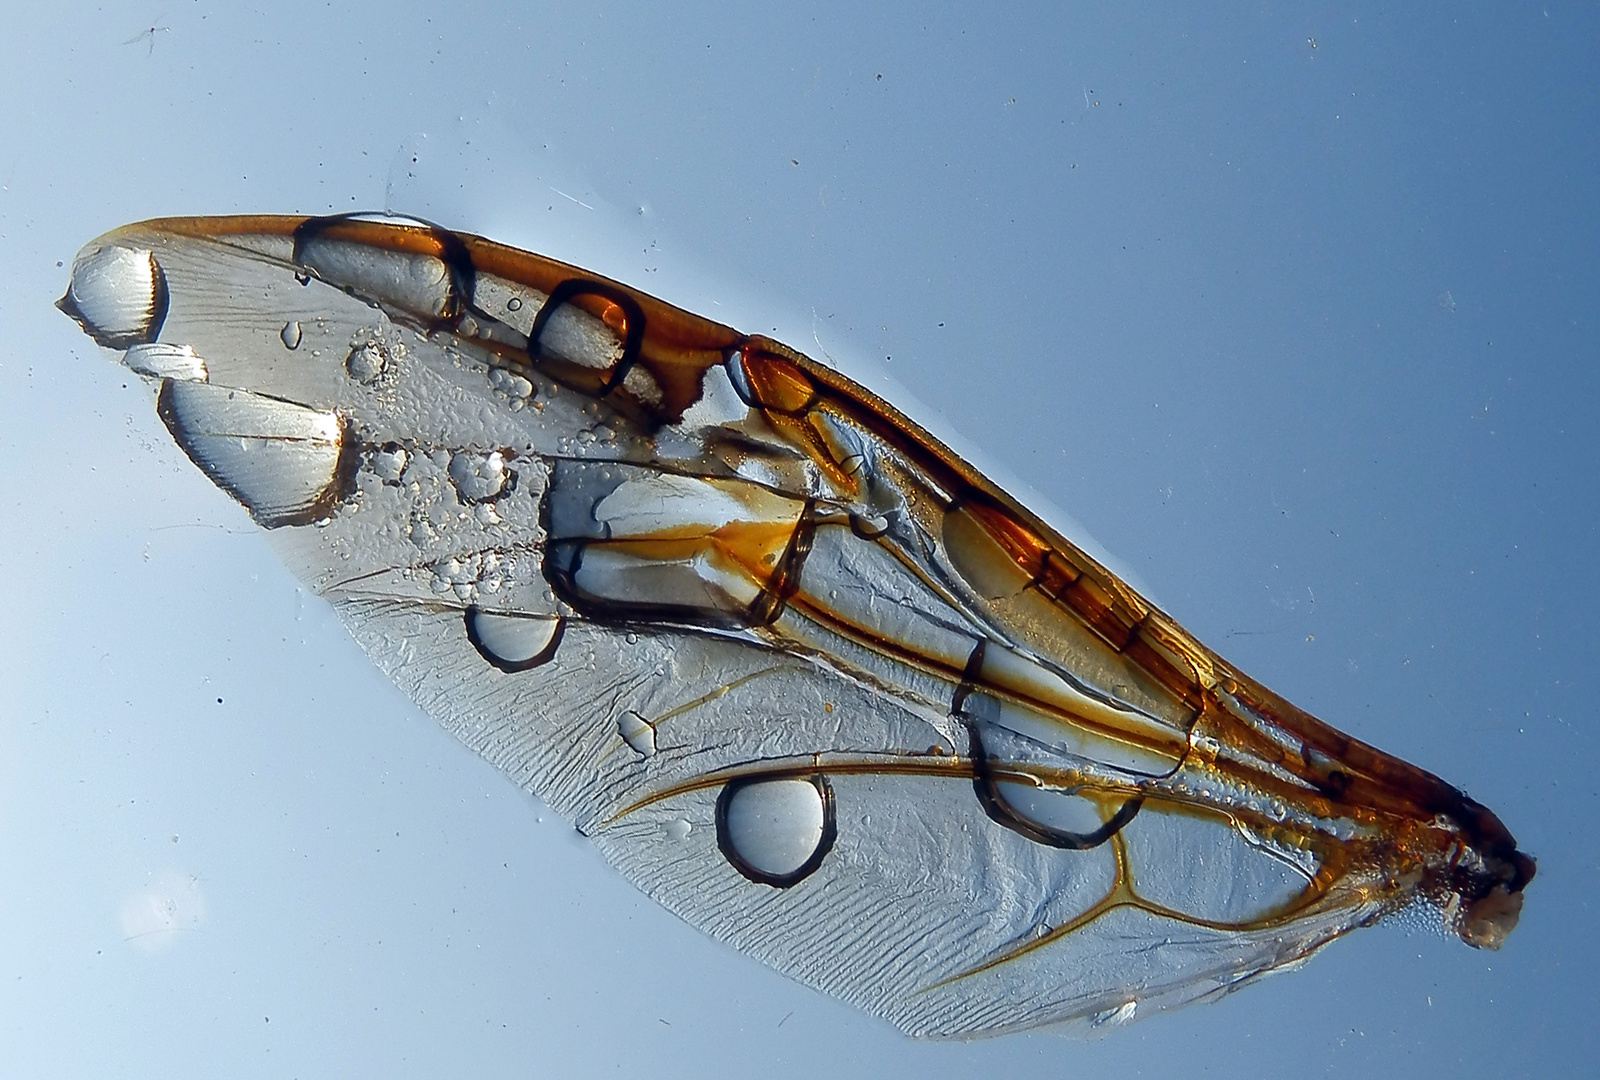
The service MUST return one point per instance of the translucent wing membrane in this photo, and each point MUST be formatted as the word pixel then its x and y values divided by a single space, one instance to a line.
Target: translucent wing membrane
pixel 804 676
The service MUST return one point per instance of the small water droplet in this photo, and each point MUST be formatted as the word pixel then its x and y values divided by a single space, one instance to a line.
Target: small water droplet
pixel 366 362
pixel 290 334
pixel 389 462
pixel 677 829
pixel 160 360
pixel 514 304
pixel 638 733
pixel 514 386
pixel 869 526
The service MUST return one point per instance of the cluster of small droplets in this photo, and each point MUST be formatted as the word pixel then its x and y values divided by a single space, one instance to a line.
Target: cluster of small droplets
pixel 515 389
pixel 468 576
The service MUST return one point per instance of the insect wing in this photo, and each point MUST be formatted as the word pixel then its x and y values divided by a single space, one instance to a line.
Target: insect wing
pixel 801 674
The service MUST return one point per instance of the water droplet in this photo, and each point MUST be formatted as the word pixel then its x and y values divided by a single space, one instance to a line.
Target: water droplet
pixel 118 295
pixel 162 361
pixel 417 283
pixel 478 477
pixel 514 386
pixel 290 334
pixel 638 733
pixel 514 642
pixel 677 829
pixel 514 304
pixel 869 526
pixel 281 460
pixel 389 462
pixel 1115 1017
pixel 366 362
pixel 776 832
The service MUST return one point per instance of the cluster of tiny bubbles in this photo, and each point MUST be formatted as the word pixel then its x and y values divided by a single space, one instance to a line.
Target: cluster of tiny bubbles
pixel 1420 915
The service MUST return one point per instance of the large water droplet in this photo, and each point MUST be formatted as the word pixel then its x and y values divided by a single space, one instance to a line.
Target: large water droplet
pixel 412 282
pixel 118 295
pixel 290 334
pixel 283 461
pixel 776 832
pixel 514 642
pixel 1062 811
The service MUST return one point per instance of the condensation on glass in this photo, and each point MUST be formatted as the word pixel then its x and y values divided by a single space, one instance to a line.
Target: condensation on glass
pixel 804 676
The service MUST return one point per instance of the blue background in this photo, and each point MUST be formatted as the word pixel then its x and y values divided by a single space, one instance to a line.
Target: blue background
pixel 1292 307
